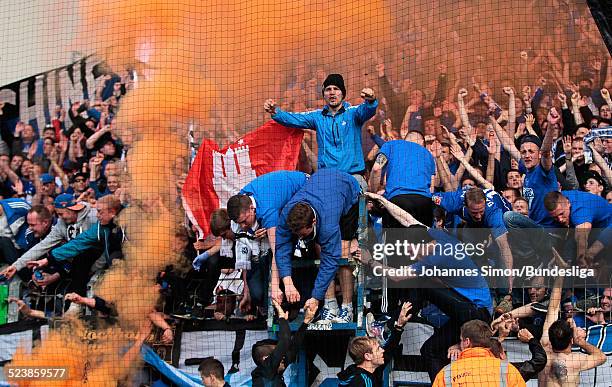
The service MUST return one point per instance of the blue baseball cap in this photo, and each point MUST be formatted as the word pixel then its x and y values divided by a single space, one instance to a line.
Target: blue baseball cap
pixel 67 201
pixel 45 178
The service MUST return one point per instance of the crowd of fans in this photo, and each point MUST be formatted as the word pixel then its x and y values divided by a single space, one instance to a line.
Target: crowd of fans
pixel 524 170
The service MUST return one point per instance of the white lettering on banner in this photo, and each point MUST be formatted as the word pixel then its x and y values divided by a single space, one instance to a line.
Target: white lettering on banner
pixel 238 172
pixel 51 92
pixel 59 88
pixel 89 78
pixel 26 113
pixel 69 91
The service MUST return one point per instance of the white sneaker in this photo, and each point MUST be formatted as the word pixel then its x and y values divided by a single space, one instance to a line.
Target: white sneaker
pixel 345 315
pixel 327 315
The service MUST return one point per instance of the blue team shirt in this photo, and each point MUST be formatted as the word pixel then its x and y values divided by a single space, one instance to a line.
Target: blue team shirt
pixel 409 168
pixel 496 206
pixel 474 288
pixel 271 192
pixel 331 194
pixel 589 208
pixel 538 183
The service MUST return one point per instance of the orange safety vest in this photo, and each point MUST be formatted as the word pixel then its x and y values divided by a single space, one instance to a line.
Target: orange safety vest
pixel 478 367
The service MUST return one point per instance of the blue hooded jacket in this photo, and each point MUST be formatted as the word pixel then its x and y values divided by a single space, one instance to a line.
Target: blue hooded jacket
pixel 338 136
pixel 331 194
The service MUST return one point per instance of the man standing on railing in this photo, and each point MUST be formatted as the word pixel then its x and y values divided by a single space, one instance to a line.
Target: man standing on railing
pixel 338 126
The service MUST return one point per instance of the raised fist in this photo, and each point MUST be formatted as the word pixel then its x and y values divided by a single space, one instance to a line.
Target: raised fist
pixel 270 106
pixel 463 92
pixel 562 98
pixel 368 94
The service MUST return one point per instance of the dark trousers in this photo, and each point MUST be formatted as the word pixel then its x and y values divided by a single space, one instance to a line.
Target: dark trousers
pixel 419 206
pixel 80 272
pixel 257 280
pixel 459 310
pixel 416 205
pixel 8 252
pixel 212 271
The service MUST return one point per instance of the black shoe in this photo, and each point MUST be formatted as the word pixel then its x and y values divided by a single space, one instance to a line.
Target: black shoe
pixel 183 311
pixel 233 369
pixel 198 312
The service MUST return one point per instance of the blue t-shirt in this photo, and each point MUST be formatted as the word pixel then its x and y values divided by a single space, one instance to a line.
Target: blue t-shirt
pixel 409 168
pixel 474 288
pixel 538 183
pixel 271 192
pixel 589 208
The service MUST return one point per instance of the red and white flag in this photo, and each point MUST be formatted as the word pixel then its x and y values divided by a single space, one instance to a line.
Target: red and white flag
pixel 216 175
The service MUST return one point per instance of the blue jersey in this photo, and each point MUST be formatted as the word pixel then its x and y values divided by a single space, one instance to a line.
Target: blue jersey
pixel 538 183
pixel 338 136
pixel 474 288
pixel 496 206
pixel 16 211
pixel 409 168
pixel 331 194
pixel 589 208
pixel 271 192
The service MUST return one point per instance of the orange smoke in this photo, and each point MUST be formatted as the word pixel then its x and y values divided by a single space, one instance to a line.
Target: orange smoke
pixel 243 48
pixel 91 358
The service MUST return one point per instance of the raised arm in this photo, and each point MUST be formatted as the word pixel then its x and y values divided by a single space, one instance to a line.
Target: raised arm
pixel 553 119
pixel 605 94
pixel 606 172
pixel 594 356
pixel 511 110
pixel 506 140
pixel 444 174
pixel 292 120
pixel 462 109
pixel 402 216
pixel 367 109
pixel 91 141
pixel 576 108
pixel 458 154
pixel 570 173
pixel 494 155
pixel 554 304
